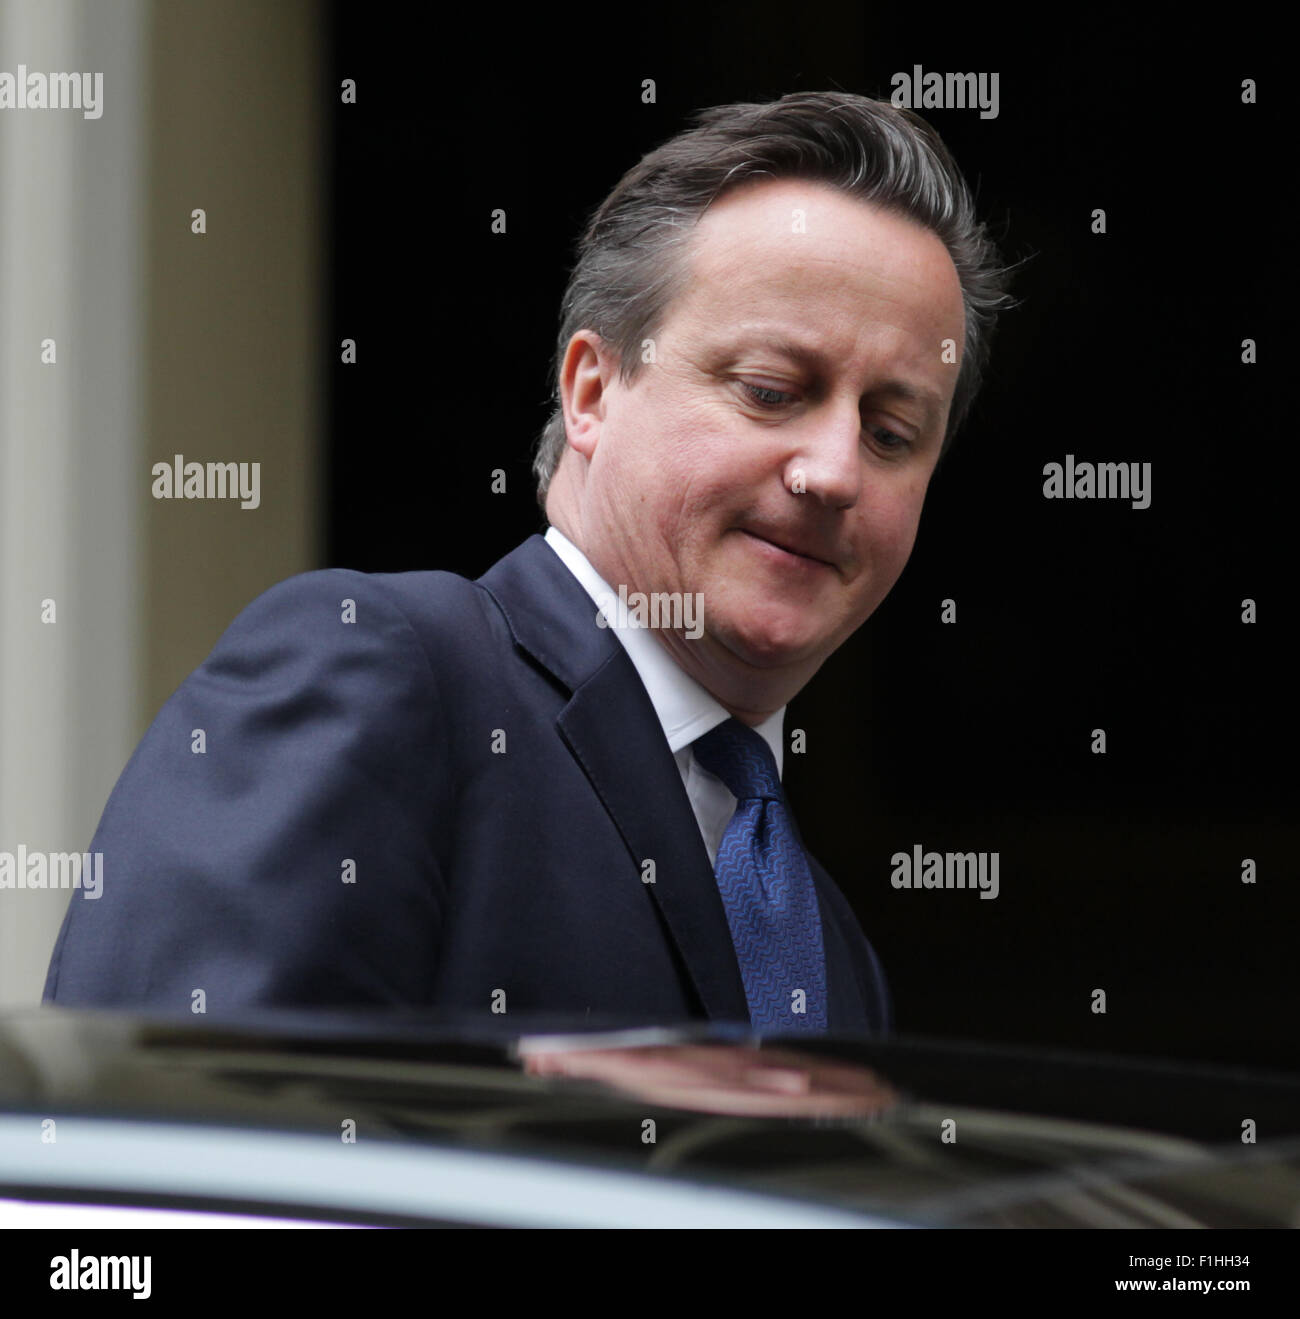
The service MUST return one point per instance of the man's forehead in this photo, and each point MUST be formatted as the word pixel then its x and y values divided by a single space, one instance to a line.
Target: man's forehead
pixel 760 200
pixel 803 269
pixel 783 239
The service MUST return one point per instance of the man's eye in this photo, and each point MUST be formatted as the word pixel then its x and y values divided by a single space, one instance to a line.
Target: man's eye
pixel 768 398
pixel 765 397
pixel 892 439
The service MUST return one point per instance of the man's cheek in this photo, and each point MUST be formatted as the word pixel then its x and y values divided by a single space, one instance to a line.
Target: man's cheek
pixel 901 528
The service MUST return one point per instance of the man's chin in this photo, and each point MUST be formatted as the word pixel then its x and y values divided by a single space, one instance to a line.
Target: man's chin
pixel 773 646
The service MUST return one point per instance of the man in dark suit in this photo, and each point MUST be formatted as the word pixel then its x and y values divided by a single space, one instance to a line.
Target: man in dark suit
pixel 558 787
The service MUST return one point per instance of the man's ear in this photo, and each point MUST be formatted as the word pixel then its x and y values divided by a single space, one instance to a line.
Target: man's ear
pixel 584 377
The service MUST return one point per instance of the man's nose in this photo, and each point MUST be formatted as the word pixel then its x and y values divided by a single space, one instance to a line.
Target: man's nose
pixel 827 462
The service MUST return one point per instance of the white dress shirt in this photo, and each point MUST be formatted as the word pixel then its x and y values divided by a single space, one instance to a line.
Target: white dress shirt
pixel 686 711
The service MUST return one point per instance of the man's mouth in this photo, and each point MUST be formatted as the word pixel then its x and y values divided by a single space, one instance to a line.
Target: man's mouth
pixel 789 551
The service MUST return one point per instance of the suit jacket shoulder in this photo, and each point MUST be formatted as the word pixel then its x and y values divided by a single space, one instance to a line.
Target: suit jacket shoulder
pixel 297 764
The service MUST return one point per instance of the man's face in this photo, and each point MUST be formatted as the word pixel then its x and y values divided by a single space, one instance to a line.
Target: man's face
pixel 775 455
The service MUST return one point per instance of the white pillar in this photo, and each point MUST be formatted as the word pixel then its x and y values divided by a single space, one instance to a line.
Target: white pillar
pixel 71 447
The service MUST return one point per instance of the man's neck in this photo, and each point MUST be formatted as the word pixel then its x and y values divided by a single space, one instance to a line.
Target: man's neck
pixel 750 697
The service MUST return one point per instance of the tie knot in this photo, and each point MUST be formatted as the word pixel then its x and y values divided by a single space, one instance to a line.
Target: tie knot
pixel 741 759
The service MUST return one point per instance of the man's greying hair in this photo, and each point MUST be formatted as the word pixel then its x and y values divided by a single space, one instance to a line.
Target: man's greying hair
pixel 631 256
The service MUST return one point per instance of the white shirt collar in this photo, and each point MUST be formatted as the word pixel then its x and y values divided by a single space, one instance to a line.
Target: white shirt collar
pixel 686 711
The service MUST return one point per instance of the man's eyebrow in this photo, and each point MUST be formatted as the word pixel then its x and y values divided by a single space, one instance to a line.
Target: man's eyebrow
pixel 931 401
pixel 808 355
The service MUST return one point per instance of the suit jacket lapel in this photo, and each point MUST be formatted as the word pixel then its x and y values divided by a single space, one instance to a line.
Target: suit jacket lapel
pixel 611 728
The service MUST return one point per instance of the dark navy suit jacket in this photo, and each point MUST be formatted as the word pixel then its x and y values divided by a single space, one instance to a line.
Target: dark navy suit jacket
pixel 486 762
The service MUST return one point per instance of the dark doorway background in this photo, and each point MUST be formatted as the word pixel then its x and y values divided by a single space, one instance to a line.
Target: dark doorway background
pixel 1119 872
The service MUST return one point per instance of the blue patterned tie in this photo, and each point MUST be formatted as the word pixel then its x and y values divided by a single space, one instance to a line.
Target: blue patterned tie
pixel 766 886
